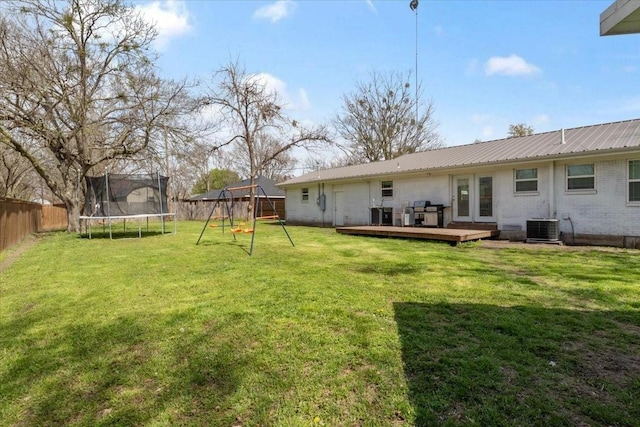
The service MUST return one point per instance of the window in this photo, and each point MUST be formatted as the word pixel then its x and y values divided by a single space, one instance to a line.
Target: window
pixel 462 192
pixel 634 180
pixel 305 194
pixel 485 195
pixel 387 188
pixel 526 180
pixel 581 177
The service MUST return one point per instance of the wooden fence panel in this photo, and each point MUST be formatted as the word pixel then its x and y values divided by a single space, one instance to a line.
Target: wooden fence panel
pixel 54 218
pixel 18 219
pixel 200 210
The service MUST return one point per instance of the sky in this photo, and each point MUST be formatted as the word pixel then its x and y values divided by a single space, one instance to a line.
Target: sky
pixel 482 64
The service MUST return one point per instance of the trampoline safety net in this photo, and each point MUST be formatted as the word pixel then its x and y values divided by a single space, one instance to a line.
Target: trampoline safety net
pixel 121 195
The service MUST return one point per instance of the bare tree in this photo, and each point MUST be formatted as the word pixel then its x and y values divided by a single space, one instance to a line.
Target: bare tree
pixel 519 129
pixel 276 167
pixel 18 180
pixel 378 120
pixel 258 128
pixel 77 81
pixel 318 163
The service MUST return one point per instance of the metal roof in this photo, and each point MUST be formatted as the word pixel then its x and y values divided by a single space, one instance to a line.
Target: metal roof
pixel 609 137
pixel 269 187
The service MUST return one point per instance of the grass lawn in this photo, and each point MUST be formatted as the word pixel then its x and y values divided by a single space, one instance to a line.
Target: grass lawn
pixel 336 331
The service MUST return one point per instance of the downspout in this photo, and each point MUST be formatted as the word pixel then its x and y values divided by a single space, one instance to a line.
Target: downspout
pixel 324 206
pixel 321 201
pixel 451 201
pixel 552 190
pixel 370 201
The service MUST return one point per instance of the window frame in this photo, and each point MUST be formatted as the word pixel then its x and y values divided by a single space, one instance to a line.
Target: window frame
pixel 580 190
pixel 304 194
pixel 483 201
pixel 517 180
pixel 386 192
pixel 630 181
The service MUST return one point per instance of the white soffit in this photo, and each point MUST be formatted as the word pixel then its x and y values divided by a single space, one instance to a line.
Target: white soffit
pixel 622 17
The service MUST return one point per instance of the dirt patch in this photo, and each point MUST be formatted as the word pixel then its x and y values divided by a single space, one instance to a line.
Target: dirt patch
pixel 14 253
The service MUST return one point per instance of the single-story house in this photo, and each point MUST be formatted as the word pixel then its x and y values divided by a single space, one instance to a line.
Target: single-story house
pixel 586 180
pixel 239 199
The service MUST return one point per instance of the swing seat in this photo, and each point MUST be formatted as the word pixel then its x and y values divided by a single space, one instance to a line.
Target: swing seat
pixel 213 225
pixel 236 230
pixel 248 230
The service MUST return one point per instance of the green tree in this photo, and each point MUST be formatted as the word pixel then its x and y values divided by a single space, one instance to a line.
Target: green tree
pixel 215 179
pixel 520 129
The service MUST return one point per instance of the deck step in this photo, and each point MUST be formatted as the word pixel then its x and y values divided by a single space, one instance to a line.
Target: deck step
pixel 488 226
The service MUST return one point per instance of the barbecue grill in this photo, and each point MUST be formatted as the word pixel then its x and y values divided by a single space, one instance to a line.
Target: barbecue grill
pixel 428 215
pixel 420 205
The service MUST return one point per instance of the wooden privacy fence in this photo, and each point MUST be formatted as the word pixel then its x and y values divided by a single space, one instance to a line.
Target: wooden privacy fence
pixel 18 219
pixel 199 210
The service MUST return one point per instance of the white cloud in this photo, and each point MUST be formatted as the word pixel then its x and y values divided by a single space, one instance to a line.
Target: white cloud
pixel 170 18
pixel 438 30
pixel 275 11
pixel 297 101
pixel 509 66
pixel 271 83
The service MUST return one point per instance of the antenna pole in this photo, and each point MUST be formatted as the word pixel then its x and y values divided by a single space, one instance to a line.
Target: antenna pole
pixel 417 113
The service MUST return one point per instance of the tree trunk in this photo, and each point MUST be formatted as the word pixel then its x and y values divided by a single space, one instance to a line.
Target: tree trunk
pixel 73 217
pixel 74 207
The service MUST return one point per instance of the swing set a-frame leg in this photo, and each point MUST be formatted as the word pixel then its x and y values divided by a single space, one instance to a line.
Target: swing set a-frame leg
pixel 221 197
pixel 255 217
pixel 273 209
pixel 215 205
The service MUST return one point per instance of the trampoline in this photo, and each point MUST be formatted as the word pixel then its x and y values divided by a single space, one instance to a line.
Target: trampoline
pixel 120 197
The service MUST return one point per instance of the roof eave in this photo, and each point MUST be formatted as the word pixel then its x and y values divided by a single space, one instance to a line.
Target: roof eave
pixel 549 157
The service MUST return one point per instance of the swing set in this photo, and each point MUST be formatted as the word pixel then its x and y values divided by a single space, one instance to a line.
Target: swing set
pixel 240 227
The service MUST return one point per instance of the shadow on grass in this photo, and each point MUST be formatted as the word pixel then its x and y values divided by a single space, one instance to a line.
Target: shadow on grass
pixel 488 365
pixel 127 230
pixel 124 235
pixel 114 374
pixel 388 268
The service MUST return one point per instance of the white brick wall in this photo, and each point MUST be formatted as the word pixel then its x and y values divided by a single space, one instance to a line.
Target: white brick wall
pixel 514 209
pixel 604 211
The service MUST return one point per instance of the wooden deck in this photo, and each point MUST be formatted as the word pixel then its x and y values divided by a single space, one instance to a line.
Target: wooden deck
pixel 440 234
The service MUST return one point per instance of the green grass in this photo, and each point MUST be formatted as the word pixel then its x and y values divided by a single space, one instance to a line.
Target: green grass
pixel 337 331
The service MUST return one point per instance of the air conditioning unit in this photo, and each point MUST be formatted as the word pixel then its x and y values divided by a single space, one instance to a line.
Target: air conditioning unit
pixel 543 230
